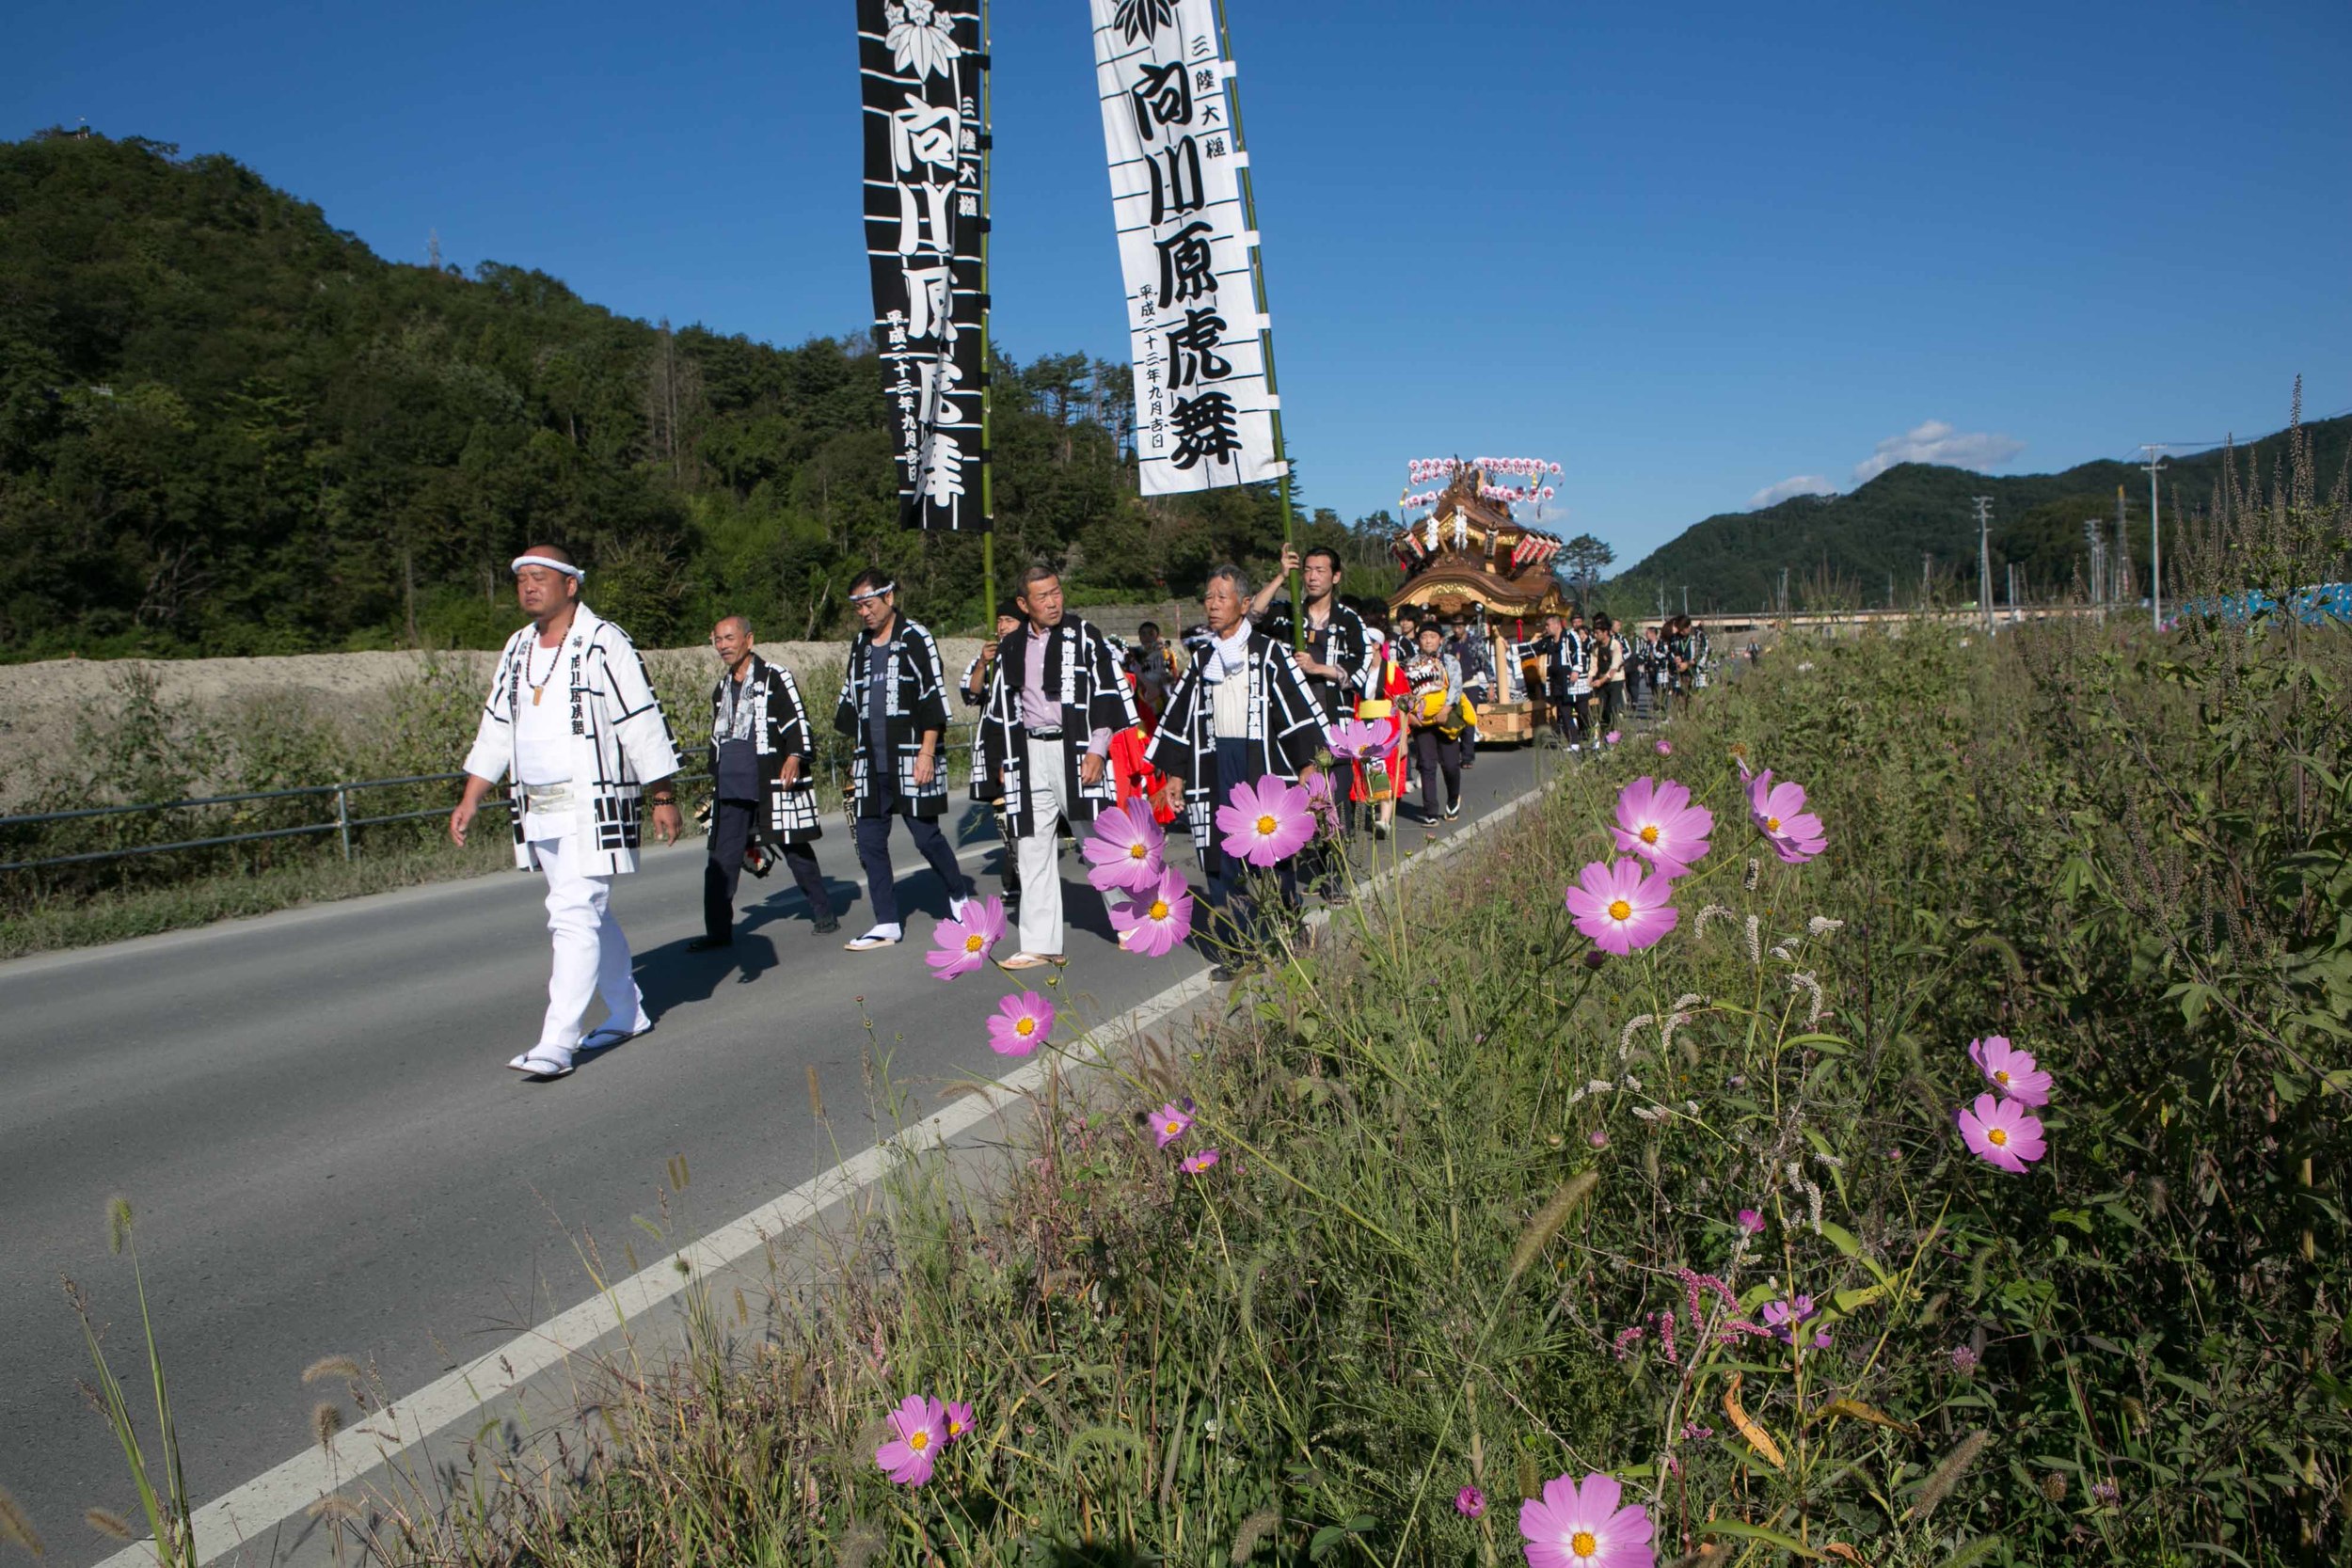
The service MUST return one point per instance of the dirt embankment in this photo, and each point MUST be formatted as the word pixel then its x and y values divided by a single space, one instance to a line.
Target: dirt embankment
pixel 40 703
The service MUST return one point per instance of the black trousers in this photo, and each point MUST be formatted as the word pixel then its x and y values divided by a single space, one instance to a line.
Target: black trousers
pixel 873 854
pixel 1573 715
pixel 1438 753
pixel 730 836
pixel 1612 699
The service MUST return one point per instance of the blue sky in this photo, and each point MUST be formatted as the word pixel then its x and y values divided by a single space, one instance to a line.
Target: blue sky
pixel 1695 254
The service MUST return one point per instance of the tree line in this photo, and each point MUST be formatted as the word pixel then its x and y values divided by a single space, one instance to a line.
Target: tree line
pixel 228 428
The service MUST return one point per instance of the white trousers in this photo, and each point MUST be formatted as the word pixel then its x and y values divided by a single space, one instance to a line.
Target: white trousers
pixel 1039 855
pixel 591 954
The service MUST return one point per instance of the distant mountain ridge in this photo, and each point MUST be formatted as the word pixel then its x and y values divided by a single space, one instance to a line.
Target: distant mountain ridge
pixel 1843 549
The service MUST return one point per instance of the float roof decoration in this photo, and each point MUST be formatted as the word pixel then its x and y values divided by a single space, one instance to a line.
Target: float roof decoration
pixel 1469 551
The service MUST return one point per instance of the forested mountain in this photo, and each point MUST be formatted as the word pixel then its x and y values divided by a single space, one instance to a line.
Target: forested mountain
pixel 227 427
pixel 1842 550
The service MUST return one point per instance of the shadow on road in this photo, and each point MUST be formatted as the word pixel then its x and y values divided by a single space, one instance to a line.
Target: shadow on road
pixel 671 977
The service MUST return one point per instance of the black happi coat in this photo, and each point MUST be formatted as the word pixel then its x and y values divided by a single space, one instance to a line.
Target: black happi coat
pixel 1286 732
pixel 1081 673
pixel 779 730
pixel 915 702
pixel 1347 643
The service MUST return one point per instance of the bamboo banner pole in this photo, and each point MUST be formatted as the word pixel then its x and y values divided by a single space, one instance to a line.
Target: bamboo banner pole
pixel 1265 330
pixel 988 347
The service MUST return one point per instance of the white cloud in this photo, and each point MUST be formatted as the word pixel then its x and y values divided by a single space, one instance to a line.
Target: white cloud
pixel 1937 442
pixel 1796 484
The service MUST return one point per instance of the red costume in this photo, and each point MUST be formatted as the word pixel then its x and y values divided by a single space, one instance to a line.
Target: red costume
pixel 1134 775
pixel 1390 690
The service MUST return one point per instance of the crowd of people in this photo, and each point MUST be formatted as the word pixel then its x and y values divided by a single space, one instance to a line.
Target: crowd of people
pixel 1594 675
pixel 1072 722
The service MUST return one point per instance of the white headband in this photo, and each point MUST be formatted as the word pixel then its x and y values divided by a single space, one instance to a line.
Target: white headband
pixel 874 592
pixel 564 566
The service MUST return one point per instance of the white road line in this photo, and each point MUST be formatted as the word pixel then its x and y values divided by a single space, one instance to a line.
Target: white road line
pixel 287 1491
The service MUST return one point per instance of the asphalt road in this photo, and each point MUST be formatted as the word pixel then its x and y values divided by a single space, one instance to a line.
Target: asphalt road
pixel 311 1114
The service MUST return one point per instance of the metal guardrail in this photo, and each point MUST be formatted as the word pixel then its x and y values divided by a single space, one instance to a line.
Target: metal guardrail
pixel 344 823
pixel 341 826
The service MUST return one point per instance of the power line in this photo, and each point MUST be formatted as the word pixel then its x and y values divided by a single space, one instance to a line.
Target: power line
pixel 2215 443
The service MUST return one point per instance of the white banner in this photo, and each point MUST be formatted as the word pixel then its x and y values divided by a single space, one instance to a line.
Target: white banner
pixel 1203 414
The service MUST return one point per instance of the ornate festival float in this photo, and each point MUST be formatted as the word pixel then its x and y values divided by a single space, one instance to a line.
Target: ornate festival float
pixel 1468 554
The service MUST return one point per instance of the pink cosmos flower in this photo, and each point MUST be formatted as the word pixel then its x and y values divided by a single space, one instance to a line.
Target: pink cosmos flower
pixel 1324 804
pixel 1621 908
pixel 1352 738
pixel 1751 1222
pixel 1125 848
pixel 1665 748
pixel 1170 1122
pixel 1657 822
pixel 2002 1131
pixel 1157 918
pixel 1267 822
pixel 964 945
pixel 1193 1165
pixel 1581 1526
pixel 1470 1502
pixel 1021 1025
pixel 958 1420
pixel 921 1425
pixel 1613 736
pixel 2010 1071
pixel 1795 833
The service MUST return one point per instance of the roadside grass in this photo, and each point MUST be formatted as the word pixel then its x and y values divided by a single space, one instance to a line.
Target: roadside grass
pixel 138 749
pixel 115 914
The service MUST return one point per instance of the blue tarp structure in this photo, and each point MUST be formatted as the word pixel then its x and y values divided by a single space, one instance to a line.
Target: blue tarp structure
pixel 2312 606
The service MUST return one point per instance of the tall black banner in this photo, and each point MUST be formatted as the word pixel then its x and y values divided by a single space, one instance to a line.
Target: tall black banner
pixel 920 67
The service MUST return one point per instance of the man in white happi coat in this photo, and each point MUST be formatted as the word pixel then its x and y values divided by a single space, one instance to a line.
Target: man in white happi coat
pixel 1055 697
pixel 572 716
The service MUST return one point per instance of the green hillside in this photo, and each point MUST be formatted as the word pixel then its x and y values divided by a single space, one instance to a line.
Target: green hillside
pixel 1840 550
pixel 227 427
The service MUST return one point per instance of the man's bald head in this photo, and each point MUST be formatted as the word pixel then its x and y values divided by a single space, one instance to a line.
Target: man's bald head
pixel 731 639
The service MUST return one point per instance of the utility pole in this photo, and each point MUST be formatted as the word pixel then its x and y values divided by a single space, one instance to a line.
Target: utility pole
pixel 2120 578
pixel 2012 592
pixel 1784 591
pixel 2156 539
pixel 2098 564
pixel 1927 564
pixel 1984 560
pixel 1686 598
pixel 1890 590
